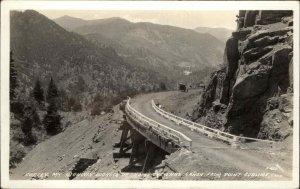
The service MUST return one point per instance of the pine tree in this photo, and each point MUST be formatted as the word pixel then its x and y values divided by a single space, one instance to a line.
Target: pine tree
pixel 62 100
pixel 162 86
pixel 38 92
pixel 13 78
pixel 52 120
pixel 52 93
pixel 30 119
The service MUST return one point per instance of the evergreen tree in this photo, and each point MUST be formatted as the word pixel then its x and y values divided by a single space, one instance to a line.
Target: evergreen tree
pixel 38 92
pixel 71 103
pixel 29 120
pixel 52 93
pixel 62 100
pixel 77 106
pixel 52 120
pixel 162 86
pixel 13 78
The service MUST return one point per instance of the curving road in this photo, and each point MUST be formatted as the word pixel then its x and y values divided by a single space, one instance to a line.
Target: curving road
pixel 218 153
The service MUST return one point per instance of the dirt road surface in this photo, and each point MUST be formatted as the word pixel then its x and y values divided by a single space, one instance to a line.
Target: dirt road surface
pixel 216 156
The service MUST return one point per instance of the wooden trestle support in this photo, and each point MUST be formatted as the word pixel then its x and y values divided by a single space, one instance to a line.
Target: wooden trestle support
pixel 142 150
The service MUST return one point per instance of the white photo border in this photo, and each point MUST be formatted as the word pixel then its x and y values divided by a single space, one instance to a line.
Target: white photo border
pixel 7 6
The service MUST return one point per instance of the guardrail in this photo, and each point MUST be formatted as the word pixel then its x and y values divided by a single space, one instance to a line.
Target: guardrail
pixel 210 132
pixel 178 137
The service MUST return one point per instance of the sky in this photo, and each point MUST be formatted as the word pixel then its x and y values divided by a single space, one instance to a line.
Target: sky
pixel 185 19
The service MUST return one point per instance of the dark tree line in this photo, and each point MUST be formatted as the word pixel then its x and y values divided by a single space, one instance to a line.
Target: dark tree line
pixel 38 92
pixel 52 93
pixel 52 120
pixel 30 120
pixel 27 110
pixel 13 78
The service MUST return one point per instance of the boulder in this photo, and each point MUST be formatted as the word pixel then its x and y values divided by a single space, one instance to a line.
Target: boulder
pixel 241 34
pixel 282 57
pixel 271 16
pixel 250 18
pixel 240 19
pixel 250 86
pixel 287 20
pixel 285 103
pixel 290 119
pixel 272 103
pixel 242 45
pixel 255 53
pixel 264 38
pixel 265 41
pixel 242 13
pixel 216 106
pixel 291 75
pixel 280 67
pixel 274 126
pixel 266 59
pixel 263 33
pixel 208 97
pixel 231 56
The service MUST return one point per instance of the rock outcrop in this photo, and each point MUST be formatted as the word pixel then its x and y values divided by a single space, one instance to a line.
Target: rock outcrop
pixel 257 70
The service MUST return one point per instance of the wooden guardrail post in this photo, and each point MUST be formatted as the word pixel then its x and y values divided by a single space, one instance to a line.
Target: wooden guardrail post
pixel 164 130
pixel 273 145
pixel 211 133
pixel 235 142
pixel 190 147
pixel 192 128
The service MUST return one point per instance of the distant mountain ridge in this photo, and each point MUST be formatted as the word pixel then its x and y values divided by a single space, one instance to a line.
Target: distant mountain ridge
pixel 160 48
pixel 41 49
pixel 221 33
pixel 71 23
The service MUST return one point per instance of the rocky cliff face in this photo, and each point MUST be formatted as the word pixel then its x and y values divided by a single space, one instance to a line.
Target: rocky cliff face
pixel 252 94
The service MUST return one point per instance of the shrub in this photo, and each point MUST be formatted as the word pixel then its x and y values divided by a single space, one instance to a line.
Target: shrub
pixel 96 109
pixel 17 108
pixel 77 107
pixel 30 120
pixel 16 154
pixel 52 120
pixel 162 86
pixel 38 92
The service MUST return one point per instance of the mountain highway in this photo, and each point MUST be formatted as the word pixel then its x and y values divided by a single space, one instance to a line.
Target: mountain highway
pixel 244 160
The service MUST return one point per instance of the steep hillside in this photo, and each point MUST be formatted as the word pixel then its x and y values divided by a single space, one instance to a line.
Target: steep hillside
pixel 220 33
pixel 164 49
pixel 87 137
pixel 252 94
pixel 42 49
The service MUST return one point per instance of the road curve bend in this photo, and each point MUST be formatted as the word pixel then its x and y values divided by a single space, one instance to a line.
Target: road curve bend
pixel 244 160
